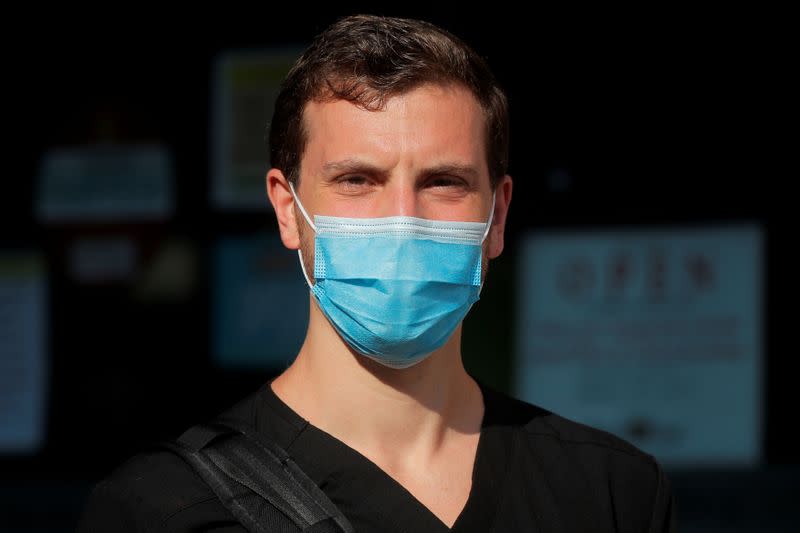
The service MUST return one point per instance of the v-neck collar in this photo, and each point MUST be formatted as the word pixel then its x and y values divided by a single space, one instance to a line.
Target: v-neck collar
pixel 359 486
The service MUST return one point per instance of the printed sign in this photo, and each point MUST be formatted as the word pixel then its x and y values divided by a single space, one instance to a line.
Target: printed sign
pixel 103 259
pixel 259 303
pixel 105 182
pixel 245 87
pixel 655 336
pixel 23 353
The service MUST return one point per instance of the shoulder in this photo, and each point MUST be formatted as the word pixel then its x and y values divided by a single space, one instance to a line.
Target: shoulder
pixel 548 430
pixel 155 490
pixel 580 462
pixel 146 493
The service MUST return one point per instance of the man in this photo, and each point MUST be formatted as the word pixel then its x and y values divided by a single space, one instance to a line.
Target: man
pixel 389 144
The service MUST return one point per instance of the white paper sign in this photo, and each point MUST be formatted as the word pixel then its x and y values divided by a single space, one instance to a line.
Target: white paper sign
pixel 245 85
pixel 23 353
pixel 103 259
pixel 259 303
pixel 655 336
pixel 105 182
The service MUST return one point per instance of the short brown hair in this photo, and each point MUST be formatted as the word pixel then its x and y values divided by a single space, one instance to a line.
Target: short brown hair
pixel 366 59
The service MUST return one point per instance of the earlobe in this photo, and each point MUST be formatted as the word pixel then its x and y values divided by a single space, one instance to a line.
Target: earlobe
pixel 283 203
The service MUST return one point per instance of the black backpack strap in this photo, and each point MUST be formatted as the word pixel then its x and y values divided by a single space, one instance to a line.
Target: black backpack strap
pixel 256 479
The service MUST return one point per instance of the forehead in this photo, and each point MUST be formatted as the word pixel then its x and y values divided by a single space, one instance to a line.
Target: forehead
pixel 429 124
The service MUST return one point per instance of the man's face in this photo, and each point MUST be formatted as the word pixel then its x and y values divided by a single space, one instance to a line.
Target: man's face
pixel 423 155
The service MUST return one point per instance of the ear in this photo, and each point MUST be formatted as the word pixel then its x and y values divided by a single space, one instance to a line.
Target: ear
pixel 501 202
pixel 282 201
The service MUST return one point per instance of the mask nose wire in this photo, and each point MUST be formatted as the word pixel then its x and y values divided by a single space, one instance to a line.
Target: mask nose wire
pixel 308 219
pixel 299 252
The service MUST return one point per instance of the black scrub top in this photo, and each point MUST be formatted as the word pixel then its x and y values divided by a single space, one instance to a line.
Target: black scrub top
pixel 534 471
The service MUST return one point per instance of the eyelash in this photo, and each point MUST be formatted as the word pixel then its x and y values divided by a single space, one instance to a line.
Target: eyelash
pixel 347 179
pixel 450 181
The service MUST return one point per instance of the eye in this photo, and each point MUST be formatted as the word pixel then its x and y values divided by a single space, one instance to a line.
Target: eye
pixel 446 181
pixel 353 181
pixel 354 184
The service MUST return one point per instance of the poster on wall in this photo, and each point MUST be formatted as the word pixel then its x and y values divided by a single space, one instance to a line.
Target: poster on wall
pixel 259 303
pixel 105 182
pixel 653 335
pixel 244 87
pixel 24 365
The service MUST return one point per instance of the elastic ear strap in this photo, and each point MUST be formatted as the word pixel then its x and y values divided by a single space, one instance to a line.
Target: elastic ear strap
pixel 491 215
pixel 302 209
pixel 303 268
pixel 485 233
pixel 299 252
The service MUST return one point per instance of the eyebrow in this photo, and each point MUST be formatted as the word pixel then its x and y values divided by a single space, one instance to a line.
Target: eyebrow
pixel 350 165
pixel 357 165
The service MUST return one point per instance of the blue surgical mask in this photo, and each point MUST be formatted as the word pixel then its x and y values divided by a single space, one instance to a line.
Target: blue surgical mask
pixel 395 288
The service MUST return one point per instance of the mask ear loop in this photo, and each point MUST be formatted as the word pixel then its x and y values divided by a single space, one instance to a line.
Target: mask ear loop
pixel 299 252
pixel 303 268
pixel 302 209
pixel 491 216
pixel 485 233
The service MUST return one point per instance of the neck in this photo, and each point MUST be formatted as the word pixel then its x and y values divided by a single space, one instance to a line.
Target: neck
pixel 376 409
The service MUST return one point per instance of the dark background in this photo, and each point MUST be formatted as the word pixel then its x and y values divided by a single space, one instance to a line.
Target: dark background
pixel 657 119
